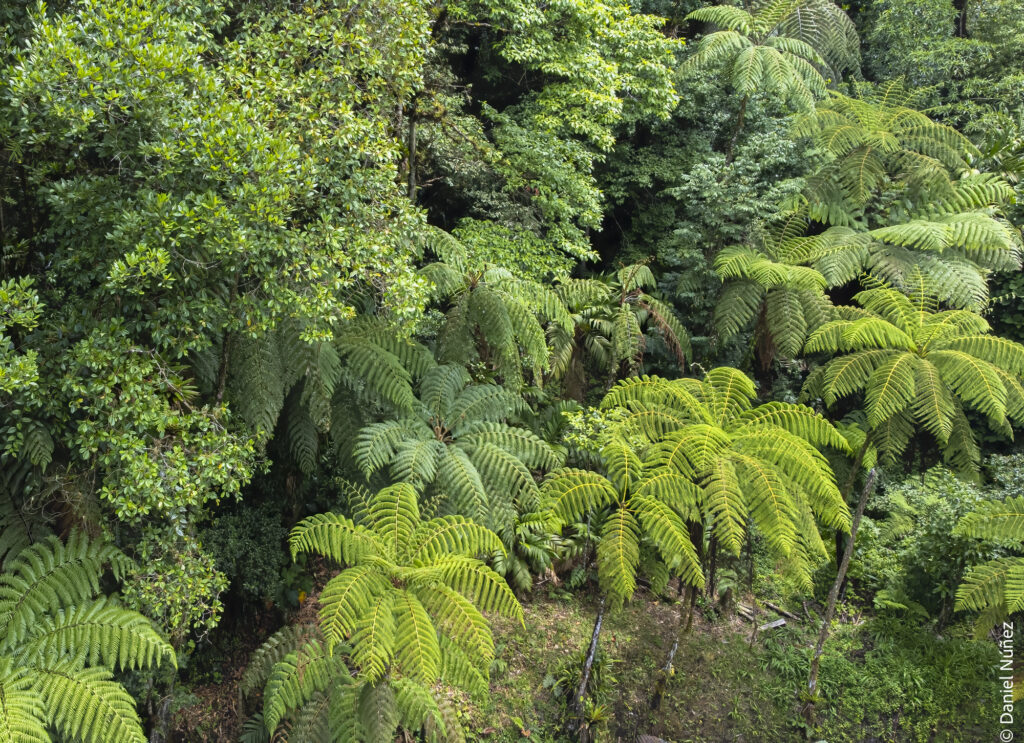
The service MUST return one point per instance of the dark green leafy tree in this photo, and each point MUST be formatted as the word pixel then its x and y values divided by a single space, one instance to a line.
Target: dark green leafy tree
pixel 60 641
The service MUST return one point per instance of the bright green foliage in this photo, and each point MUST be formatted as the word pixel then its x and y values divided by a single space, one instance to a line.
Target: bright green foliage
pixel 919 369
pixel 519 149
pixel 995 588
pixel 636 508
pixel 610 317
pixel 775 287
pixel 412 590
pixel 918 219
pixel 761 464
pixel 492 315
pixel 405 612
pixel 868 141
pixel 311 696
pixel 19 308
pixel 773 48
pixel 59 644
pixel 455 447
pixel 604 63
pixel 160 453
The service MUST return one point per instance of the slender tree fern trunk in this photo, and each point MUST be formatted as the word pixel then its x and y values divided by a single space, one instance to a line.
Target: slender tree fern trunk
pixel 664 673
pixel 729 154
pixel 588 664
pixel 689 611
pixel 842 540
pixel 812 681
pixel 712 568
pixel 750 561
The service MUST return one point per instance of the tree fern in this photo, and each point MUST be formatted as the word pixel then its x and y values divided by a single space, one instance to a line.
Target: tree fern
pixel 776 47
pixel 493 315
pixel 458 449
pixel 761 464
pixel 775 287
pixel 404 613
pixel 919 368
pixel 59 641
pixel 611 316
pixel 995 588
pixel 635 512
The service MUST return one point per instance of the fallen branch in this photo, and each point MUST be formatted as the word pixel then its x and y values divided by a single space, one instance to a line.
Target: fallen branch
pixel 780 610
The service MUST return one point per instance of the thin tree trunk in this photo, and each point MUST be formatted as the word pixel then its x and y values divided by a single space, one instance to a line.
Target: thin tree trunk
pixel 412 152
pixel 750 563
pixel 812 681
pixel 663 676
pixel 587 666
pixel 712 568
pixel 842 541
pixel 689 613
pixel 736 134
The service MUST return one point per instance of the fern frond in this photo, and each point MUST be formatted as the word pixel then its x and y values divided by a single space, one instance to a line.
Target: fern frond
pixel 51 575
pixel 448 535
pixel 569 493
pixel 100 633
pixel 622 464
pixel 303 438
pixel 22 714
pixel 373 639
pixel 86 705
pixel 416 461
pixel 891 388
pixel 984 586
pixel 724 501
pixel 618 554
pixel 973 380
pixel 456 618
pixel 481 585
pixel 334 537
pixel 768 502
pixel 459 480
pixel 482 402
pixel 665 528
pixel 799 420
pixel 439 388
pixel 377 443
pixel 417 707
pixel 933 404
pixel 257 387
pixel 730 392
pixel 286 640
pixel 394 515
pixel 296 678
pixel 378 712
pixel 995 519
